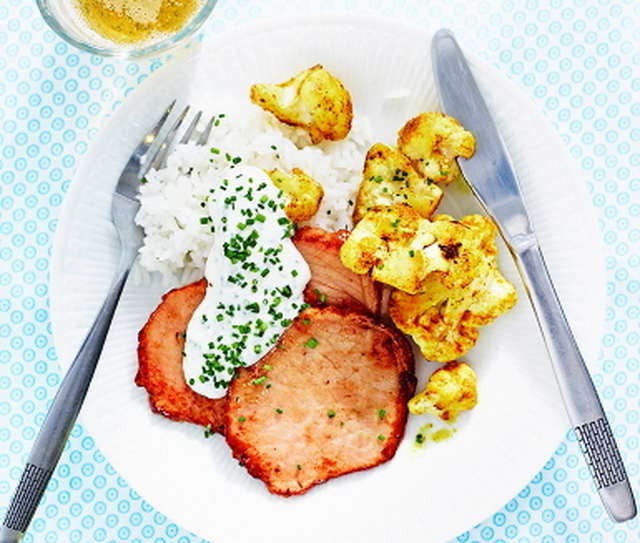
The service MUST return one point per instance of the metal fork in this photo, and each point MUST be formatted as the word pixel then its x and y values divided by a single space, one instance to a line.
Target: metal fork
pixel 63 413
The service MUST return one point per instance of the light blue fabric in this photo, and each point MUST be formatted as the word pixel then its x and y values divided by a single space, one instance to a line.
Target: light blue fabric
pixel 579 62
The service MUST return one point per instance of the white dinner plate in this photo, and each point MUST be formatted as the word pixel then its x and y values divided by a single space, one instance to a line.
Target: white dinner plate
pixel 427 494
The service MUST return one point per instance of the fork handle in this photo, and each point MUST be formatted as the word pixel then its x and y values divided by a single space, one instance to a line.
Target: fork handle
pixel 55 430
pixel 578 391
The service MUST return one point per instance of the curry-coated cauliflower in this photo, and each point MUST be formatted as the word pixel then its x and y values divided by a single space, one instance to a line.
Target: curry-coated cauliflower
pixel 389 178
pixel 395 245
pixel 451 389
pixel 443 318
pixel 432 141
pixel 302 194
pixel 314 99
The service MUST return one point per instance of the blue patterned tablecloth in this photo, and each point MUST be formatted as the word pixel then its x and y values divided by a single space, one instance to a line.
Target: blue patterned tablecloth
pixel 579 62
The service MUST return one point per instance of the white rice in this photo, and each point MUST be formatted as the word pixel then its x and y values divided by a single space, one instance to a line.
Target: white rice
pixel 177 243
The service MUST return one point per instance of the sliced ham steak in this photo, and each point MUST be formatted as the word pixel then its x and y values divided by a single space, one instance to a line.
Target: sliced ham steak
pixel 330 399
pixel 331 282
pixel 160 347
pixel 161 341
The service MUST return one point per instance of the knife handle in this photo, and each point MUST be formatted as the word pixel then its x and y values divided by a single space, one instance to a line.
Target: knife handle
pixel 578 391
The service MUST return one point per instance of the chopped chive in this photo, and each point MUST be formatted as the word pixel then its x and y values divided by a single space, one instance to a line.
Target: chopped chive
pixel 312 343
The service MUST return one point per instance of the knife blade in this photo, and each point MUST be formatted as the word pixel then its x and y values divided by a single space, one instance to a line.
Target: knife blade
pixel 493 179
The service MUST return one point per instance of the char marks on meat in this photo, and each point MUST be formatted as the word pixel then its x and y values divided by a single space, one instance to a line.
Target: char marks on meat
pixel 330 399
pixel 331 282
pixel 160 370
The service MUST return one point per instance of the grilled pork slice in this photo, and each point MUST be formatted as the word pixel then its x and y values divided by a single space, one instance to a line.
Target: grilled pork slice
pixel 329 399
pixel 161 341
pixel 331 282
pixel 160 348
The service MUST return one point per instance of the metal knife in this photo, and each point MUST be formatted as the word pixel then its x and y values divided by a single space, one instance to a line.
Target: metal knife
pixel 493 180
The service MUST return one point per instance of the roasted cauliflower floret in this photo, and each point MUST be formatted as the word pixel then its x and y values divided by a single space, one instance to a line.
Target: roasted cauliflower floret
pixel 389 178
pixel 432 141
pixel 451 389
pixel 395 245
pixel 314 99
pixel 302 193
pixel 443 318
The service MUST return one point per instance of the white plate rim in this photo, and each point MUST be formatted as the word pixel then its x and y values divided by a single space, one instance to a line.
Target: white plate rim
pixel 60 319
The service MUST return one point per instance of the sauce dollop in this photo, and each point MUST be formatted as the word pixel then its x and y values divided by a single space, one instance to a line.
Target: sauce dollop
pixel 256 278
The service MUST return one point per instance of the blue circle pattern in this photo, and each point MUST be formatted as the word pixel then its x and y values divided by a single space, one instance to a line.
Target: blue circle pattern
pixel 577 59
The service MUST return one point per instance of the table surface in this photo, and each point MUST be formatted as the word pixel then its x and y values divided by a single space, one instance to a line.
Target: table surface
pixel 578 60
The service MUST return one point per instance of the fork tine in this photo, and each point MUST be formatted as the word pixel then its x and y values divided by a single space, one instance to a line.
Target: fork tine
pixel 139 155
pixel 161 153
pixel 157 161
pixel 191 128
pixel 204 137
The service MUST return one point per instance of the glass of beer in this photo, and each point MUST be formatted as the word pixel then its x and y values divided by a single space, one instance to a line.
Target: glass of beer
pixel 125 28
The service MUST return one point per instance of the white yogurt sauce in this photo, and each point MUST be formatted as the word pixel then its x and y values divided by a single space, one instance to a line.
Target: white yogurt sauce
pixel 256 277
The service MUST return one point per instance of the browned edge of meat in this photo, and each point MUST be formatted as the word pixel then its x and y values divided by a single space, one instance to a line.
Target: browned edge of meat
pixel 329 399
pixel 331 282
pixel 160 366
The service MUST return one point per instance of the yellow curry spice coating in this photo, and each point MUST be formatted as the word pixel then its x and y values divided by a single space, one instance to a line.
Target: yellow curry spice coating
pixel 451 389
pixel 444 317
pixel 313 99
pixel 133 21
